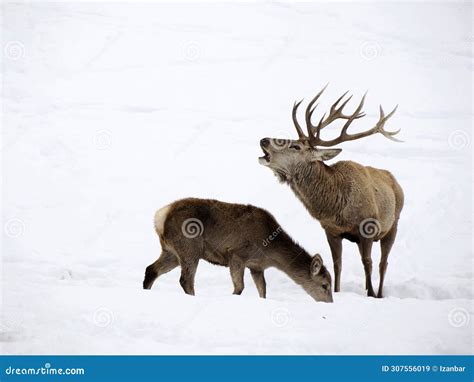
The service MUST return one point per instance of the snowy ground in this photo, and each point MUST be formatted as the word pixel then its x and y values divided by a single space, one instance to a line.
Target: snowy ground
pixel 112 110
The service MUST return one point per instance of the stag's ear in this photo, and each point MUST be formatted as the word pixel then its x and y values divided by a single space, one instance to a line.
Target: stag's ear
pixel 325 154
pixel 316 264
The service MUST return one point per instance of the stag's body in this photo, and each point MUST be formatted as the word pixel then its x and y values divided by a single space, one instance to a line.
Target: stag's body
pixel 236 236
pixel 351 201
pixel 354 202
pixel 341 196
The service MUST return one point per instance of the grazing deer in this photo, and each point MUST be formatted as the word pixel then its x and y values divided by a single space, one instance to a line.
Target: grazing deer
pixel 235 236
pixel 351 201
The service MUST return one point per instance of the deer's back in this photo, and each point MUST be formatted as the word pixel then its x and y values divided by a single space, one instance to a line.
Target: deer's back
pixel 219 227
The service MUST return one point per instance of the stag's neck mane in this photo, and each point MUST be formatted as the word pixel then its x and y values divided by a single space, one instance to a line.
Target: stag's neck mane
pixel 320 188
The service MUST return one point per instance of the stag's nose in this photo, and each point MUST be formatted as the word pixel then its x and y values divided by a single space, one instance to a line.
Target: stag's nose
pixel 264 142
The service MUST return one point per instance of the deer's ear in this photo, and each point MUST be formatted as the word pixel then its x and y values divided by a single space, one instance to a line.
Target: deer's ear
pixel 325 154
pixel 316 264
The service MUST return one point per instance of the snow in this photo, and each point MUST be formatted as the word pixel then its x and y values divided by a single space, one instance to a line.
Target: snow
pixel 113 110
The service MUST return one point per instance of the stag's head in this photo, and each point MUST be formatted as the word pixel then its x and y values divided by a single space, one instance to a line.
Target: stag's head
pixel 285 155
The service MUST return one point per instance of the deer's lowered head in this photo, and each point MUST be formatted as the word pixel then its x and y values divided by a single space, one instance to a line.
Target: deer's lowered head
pixel 318 285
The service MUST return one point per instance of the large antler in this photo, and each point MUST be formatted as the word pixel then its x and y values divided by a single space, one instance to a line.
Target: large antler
pixel 336 112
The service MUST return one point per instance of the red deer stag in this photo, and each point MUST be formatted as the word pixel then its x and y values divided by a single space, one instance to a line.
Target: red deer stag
pixel 351 201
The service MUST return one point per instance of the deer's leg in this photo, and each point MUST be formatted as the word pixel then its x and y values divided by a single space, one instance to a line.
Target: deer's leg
pixel 165 263
pixel 237 269
pixel 188 271
pixel 365 249
pixel 385 246
pixel 259 279
pixel 335 244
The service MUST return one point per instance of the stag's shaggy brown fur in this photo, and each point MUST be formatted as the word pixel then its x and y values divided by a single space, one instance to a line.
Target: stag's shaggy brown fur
pixel 236 236
pixel 351 201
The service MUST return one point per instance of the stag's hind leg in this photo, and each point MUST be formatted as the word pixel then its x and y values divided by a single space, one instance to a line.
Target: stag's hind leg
pixel 335 244
pixel 259 279
pixel 365 249
pixel 385 245
pixel 165 263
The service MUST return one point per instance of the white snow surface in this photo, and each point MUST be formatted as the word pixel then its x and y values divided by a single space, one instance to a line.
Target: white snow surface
pixel 113 110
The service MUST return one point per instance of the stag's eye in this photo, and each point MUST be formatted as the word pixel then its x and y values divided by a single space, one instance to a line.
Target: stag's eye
pixel 325 286
pixel 295 147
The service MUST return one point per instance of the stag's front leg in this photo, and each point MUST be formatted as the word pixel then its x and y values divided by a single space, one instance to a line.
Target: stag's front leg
pixel 335 244
pixel 385 246
pixel 237 270
pixel 365 249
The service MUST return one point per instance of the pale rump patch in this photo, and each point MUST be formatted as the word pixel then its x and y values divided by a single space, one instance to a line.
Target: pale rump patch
pixel 160 218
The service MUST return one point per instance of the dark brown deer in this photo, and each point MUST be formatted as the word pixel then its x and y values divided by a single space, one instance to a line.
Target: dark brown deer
pixel 351 201
pixel 236 236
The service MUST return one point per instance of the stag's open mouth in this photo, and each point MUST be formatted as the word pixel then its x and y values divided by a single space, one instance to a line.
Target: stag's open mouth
pixel 266 157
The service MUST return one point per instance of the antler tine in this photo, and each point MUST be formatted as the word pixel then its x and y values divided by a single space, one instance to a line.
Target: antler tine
pixel 316 97
pixel 339 110
pixel 380 125
pixel 308 116
pixel 333 107
pixel 321 121
pixel 310 109
pixel 382 115
pixel 378 128
pixel 309 113
pixel 299 130
pixel 354 115
pixel 336 112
